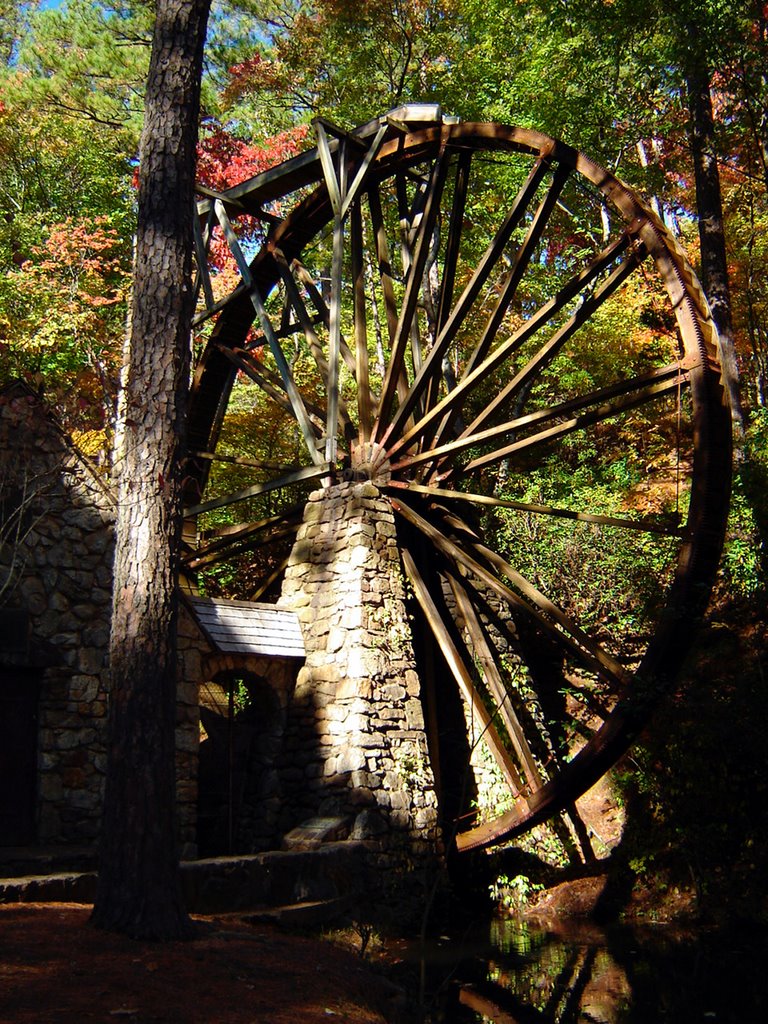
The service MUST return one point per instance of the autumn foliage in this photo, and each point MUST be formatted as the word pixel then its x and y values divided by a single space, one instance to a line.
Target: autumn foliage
pixel 224 160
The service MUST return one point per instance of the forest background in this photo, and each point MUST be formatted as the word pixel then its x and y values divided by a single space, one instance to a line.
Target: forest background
pixel 615 78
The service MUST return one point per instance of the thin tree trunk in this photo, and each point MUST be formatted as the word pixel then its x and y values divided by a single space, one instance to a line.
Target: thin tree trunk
pixel 139 890
pixel 714 265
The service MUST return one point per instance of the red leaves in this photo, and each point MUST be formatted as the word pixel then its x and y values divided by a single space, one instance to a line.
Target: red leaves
pixel 224 160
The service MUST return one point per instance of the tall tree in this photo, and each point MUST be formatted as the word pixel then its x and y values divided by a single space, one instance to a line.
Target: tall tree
pixel 698 24
pixel 709 204
pixel 139 887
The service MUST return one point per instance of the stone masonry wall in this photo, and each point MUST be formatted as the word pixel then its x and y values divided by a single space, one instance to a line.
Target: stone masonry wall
pixel 355 740
pixel 58 569
pixel 61 573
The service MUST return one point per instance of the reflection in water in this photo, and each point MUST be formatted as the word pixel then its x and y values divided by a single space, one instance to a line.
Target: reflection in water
pixel 580 974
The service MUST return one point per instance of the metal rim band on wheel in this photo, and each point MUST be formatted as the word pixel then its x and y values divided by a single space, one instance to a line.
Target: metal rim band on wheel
pixel 484 347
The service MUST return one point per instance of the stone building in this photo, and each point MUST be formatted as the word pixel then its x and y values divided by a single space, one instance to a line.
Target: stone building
pixel 56 534
pixel 56 546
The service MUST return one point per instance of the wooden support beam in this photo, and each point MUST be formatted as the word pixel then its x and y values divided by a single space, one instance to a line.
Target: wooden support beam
pixel 299 476
pixel 461 675
pixel 643 524
pixel 496 685
pixel 543 612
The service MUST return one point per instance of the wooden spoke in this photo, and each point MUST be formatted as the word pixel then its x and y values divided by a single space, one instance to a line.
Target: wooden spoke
pixel 642 524
pixel 640 389
pixel 250 541
pixel 547 352
pixel 564 296
pixel 522 258
pixel 306 323
pixel 329 170
pixel 454 237
pixel 532 593
pixel 323 311
pixel 239 460
pixel 601 412
pixel 484 652
pixel 381 247
pixel 364 397
pixel 533 603
pixel 261 590
pixel 334 339
pixel 308 328
pixel 448 282
pixel 227 539
pixel 489 261
pixel 461 674
pixel 201 258
pixel 299 476
pixel 411 297
pixel 294 395
pixel 272 385
pixel 217 307
pixel 363 171
pixel 599 656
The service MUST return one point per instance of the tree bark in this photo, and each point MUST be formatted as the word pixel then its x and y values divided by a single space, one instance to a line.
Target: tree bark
pixel 714 264
pixel 139 891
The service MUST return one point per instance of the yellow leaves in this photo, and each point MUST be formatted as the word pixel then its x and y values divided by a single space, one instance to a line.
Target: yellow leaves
pixel 92 443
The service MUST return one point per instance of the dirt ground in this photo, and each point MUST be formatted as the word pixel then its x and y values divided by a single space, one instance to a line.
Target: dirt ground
pixel 56 969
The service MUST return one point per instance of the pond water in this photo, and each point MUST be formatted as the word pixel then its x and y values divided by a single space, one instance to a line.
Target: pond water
pixel 515 972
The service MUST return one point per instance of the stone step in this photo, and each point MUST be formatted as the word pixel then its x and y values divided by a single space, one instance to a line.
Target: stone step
pixel 59 887
pixel 279 878
pixel 20 861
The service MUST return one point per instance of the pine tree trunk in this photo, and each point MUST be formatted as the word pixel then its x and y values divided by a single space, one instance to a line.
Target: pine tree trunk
pixel 139 890
pixel 714 264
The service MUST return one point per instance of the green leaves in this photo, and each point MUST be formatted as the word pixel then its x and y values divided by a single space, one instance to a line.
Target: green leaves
pixel 88 60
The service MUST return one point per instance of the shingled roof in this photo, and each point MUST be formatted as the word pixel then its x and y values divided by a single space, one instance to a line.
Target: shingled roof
pixel 244 627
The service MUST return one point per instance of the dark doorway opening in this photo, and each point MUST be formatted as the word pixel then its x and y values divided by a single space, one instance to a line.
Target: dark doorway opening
pixel 19 696
pixel 240 719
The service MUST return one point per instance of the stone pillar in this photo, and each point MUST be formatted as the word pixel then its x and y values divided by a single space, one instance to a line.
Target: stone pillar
pixel 355 742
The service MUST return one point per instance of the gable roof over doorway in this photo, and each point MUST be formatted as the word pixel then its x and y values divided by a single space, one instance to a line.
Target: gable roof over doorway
pixel 245 627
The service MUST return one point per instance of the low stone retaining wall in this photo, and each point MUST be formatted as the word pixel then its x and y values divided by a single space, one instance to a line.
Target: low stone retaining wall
pixel 227 884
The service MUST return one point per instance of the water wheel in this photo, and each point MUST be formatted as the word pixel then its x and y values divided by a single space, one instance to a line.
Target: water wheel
pixel 512 347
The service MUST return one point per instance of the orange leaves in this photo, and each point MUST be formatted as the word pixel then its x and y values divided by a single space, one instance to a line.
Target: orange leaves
pixel 85 255
pixel 65 314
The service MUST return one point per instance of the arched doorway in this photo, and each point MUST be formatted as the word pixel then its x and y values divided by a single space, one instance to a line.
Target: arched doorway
pixel 241 722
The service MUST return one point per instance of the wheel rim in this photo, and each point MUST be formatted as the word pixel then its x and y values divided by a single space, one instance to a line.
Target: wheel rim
pixel 471 383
